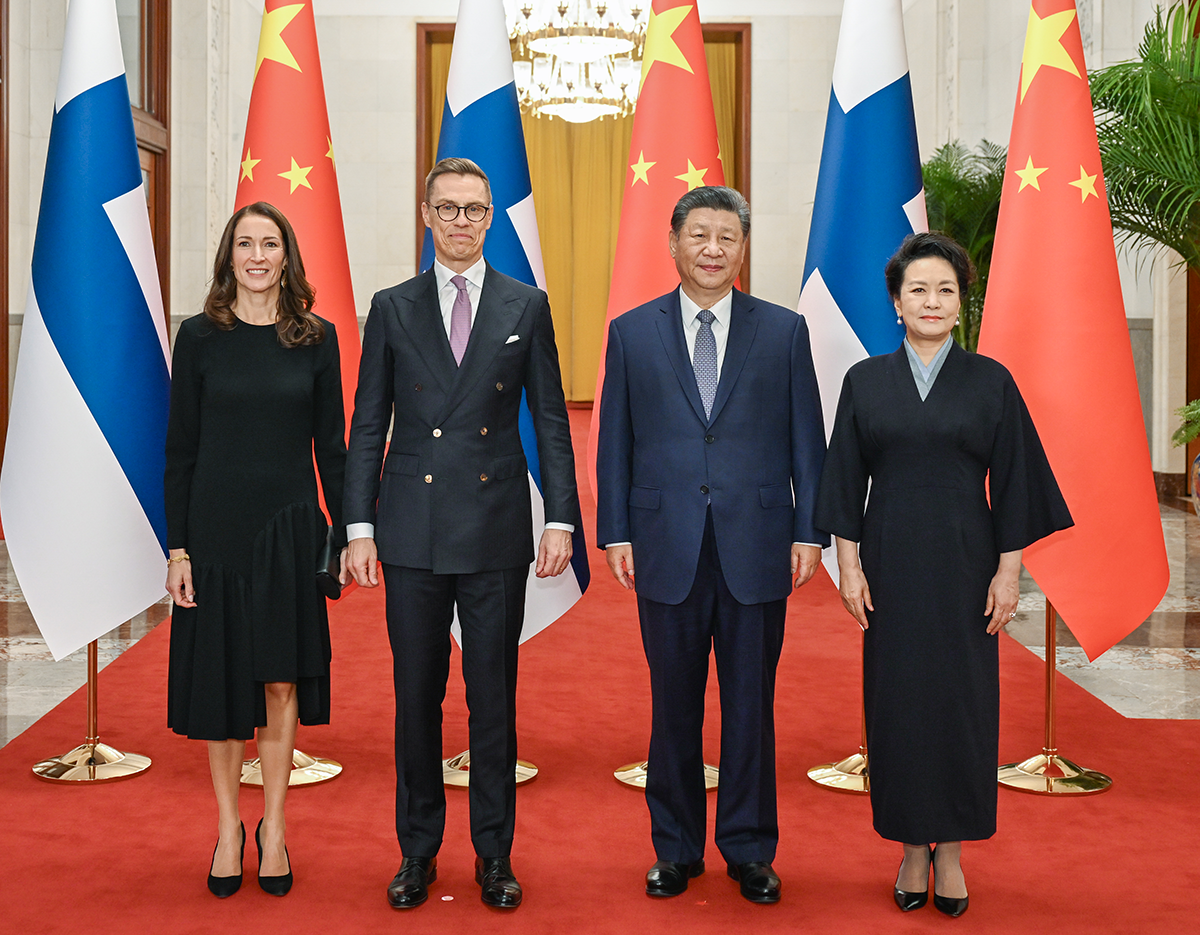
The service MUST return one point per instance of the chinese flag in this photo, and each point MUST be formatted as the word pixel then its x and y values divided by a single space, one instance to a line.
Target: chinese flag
pixel 672 150
pixel 1054 316
pixel 287 160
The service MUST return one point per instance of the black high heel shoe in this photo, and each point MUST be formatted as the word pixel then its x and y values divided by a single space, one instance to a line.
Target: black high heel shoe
pixel 950 905
pixel 910 901
pixel 227 886
pixel 276 886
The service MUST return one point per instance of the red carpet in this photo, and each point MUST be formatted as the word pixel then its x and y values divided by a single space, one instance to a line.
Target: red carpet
pixel 133 855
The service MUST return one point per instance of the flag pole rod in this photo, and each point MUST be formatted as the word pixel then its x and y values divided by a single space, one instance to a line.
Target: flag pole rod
pixel 1048 773
pixel 850 774
pixel 92 761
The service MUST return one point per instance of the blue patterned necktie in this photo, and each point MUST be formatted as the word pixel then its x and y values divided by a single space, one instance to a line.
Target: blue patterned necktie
pixel 704 360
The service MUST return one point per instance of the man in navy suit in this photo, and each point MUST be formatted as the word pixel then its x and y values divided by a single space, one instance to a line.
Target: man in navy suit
pixel 445 358
pixel 710 451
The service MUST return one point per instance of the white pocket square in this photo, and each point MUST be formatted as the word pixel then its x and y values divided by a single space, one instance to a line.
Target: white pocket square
pixel 512 338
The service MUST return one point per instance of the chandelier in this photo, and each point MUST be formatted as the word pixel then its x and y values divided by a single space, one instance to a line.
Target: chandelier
pixel 577 59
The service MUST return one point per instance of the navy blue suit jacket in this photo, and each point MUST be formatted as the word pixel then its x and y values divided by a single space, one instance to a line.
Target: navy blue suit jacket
pixel 758 457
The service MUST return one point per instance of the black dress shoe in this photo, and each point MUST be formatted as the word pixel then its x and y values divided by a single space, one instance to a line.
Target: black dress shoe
pixel 226 886
pixel 278 885
pixel 668 878
pixel 500 887
pixel 759 883
pixel 950 905
pixel 410 886
pixel 910 901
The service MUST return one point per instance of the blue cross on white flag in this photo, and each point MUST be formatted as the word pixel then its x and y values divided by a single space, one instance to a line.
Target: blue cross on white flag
pixel 81 492
pixel 869 198
pixel 482 122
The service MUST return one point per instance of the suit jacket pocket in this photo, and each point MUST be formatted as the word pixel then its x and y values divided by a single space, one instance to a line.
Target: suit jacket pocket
pixel 645 498
pixel 511 466
pixel 775 495
pixel 397 463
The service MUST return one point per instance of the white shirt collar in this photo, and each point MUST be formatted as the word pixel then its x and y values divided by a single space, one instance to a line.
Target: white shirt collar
pixel 473 275
pixel 722 309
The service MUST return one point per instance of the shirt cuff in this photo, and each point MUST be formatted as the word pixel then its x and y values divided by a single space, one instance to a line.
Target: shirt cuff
pixel 360 531
pixel 815 545
pixel 613 545
pixel 565 527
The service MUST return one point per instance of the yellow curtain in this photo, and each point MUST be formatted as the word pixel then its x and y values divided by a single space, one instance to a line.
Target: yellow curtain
pixel 578 175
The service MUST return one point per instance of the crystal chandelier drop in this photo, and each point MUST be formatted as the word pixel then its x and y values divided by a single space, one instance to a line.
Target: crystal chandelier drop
pixel 577 59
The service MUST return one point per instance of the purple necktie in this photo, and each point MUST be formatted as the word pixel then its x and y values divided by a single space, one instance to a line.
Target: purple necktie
pixel 460 319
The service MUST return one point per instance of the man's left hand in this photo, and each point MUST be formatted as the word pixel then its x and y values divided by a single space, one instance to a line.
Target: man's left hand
pixel 805 559
pixel 554 553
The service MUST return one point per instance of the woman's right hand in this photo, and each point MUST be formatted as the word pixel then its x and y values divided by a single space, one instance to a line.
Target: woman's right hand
pixel 179 579
pixel 856 594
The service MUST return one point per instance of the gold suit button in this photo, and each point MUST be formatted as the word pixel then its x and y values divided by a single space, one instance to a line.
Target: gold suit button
pixel 417 387
pixel 500 387
pixel 483 477
pixel 483 431
pixel 437 433
pixel 429 478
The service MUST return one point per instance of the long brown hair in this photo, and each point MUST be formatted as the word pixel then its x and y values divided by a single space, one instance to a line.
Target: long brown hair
pixel 296 324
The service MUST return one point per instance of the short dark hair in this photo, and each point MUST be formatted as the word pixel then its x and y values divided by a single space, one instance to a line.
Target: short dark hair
pixel 455 165
pixel 717 197
pixel 924 244
pixel 296 324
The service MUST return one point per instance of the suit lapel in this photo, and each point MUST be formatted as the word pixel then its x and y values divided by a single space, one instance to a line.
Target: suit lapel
pixel 495 320
pixel 422 320
pixel 742 326
pixel 670 329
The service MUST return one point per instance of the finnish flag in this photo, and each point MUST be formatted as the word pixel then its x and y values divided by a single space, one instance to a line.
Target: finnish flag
pixel 81 493
pixel 482 122
pixel 869 197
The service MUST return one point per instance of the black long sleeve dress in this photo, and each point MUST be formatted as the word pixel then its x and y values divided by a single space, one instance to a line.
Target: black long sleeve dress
pixel 247 415
pixel 929 547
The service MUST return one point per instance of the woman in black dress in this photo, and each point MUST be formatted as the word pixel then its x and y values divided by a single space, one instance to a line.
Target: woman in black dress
pixel 937 432
pixel 256 389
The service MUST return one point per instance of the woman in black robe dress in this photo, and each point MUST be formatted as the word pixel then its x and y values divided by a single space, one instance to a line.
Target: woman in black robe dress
pixel 934 431
pixel 255 391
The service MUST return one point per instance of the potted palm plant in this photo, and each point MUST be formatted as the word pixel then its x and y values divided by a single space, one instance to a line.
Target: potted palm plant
pixel 962 199
pixel 1148 125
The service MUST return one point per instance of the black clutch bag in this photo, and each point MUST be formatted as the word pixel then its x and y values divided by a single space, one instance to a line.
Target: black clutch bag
pixel 328 568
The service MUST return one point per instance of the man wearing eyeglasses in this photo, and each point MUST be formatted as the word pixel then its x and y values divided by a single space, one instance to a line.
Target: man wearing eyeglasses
pixel 446 357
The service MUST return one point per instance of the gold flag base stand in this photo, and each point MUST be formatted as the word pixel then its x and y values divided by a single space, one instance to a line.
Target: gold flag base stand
pixel 1048 773
pixel 848 775
pixel 92 761
pixel 634 776
pixel 306 770
pixel 456 771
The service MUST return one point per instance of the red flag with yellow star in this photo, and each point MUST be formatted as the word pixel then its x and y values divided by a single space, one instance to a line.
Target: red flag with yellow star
pixel 287 160
pixel 673 149
pixel 1054 316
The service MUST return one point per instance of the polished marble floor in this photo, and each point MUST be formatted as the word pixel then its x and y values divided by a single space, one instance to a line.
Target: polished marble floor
pixel 1152 673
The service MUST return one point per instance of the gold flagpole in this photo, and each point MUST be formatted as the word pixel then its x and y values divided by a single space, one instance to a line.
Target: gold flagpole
pixel 92 761
pixel 306 770
pixel 456 771
pixel 1048 773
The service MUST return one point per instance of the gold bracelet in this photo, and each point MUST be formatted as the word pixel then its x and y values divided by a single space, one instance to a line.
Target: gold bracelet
pixel 180 558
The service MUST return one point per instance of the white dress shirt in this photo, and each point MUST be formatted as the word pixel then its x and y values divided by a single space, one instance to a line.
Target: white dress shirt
pixel 447 293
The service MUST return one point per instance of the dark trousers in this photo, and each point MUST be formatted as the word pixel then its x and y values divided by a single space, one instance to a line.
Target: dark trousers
pixel 420 609
pixel 747 639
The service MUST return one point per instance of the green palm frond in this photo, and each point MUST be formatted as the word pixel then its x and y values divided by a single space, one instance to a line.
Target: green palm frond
pixel 962 199
pixel 1148 125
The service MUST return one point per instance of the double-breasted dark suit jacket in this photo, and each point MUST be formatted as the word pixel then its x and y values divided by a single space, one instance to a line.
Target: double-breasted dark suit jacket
pixel 757 458
pixel 453 494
